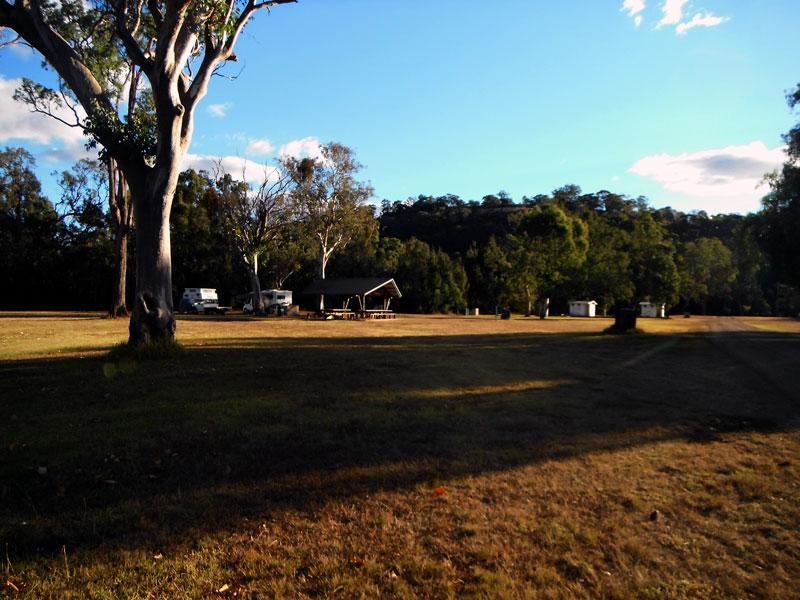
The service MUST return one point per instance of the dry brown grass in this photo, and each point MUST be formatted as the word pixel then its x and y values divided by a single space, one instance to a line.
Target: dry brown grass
pixel 27 335
pixel 773 324
pixel 434 457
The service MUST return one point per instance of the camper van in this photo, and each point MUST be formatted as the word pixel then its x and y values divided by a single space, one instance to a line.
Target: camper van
pixel 274 301
pixel 201 301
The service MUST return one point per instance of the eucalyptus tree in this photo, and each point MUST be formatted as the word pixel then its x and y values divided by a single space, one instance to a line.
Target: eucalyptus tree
pixel 605 275
pixel 706 270
pixel 329 199
pixel 124 81
pixel 782 207
pixel 83 193
pixel 177 46
pixel 491 275
pixel 431 280
pixel 30 232
pixel 256 219
pixel 548 246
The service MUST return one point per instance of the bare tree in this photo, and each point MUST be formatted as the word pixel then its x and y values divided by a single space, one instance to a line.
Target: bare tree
pixel 329 199
pixel 256 219
pixel 177 45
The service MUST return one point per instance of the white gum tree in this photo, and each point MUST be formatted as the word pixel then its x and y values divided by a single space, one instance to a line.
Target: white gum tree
pixel 177 45
pixel 257 219
pixel 329 199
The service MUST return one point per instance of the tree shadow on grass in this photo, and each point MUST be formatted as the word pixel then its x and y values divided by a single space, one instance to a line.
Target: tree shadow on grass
pixel 101 454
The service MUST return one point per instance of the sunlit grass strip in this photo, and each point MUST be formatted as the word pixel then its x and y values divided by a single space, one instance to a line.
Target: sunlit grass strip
pixel 486 390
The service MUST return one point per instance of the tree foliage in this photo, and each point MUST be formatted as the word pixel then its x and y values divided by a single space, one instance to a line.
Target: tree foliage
pixel 328 198
pixel 706 269
pixel 782 209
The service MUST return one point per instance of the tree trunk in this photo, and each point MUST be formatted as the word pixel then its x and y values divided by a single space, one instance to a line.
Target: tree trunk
pixel 281 280
pixel 323 262
pixel 528 300
pixel 120 211
pixel 152 319
pixel 625 320
pixel 255 284
pixel 544 308
pixel 119 307
pixel 152 190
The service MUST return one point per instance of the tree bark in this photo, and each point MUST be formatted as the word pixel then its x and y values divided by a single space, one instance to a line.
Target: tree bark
pixel 119 207
pixel 528 300
pixel 258 305
pixel 544 308
pixel 152 319
pixel 119 306
pixel 323 262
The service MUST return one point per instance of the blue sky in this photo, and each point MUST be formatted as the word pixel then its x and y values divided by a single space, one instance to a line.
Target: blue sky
pixel 680 101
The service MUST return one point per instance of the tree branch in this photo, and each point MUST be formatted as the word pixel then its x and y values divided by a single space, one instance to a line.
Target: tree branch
pixel 132 47
pixel 25 17
pixel 215 54
pixel 167 39
pixel 155 12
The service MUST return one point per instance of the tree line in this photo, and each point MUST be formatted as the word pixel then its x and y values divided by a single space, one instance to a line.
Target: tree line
pixel 312 218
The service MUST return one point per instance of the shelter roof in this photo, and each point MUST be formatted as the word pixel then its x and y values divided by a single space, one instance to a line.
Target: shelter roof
pixel 378 286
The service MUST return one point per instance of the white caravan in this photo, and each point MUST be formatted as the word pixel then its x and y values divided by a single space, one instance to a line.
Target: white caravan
pixel 201 301
pixel 273 301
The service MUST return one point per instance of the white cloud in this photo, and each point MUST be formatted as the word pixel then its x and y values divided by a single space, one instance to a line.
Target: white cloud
pixel 308 147
pixel 18 124
pixel 733 175
pixel 219 110
pixel 633 8
pixel 262 147
pixel 672 11
pixel 235 166
pixel 700 20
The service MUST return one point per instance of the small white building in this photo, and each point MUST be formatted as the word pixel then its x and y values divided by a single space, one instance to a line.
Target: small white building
pixel 582 308
pixel 655 310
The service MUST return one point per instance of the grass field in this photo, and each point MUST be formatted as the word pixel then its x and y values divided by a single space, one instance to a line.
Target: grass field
pixel 436 457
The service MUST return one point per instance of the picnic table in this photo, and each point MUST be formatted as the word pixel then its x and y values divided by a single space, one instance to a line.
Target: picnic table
pixel 378 313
